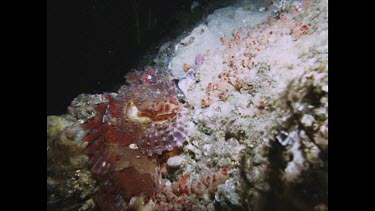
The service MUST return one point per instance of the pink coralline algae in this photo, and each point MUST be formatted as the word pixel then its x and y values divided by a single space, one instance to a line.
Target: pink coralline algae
pixel 182 193
pixel 143 120
pixel 199 59
pixel 240 56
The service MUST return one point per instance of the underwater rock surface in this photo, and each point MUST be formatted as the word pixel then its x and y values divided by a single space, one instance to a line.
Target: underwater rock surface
pixel 251 132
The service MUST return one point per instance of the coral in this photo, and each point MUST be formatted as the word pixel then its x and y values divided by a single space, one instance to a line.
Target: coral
pixel 82 183
pixel 206 102
pixel 184 193
pixel 229 192
pixel 255 167
pixel 83 106
pixel 186 67
pixel 64 146
pixel 307 123
pixel 67 173
pixel 299 30
pixel 241 90
pixel 303 133
pixel 186 81
pixel 255 93
pixel 88 205
pixel 199 59
pixel 175 161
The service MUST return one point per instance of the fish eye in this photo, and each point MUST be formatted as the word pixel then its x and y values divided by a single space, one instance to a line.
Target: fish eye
pixel 151 79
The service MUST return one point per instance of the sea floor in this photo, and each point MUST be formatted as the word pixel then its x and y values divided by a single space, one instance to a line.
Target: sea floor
pixel 253 79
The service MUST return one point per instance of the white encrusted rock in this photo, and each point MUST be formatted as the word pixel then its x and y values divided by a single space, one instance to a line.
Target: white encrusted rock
pixel 307 120
pixel 176 161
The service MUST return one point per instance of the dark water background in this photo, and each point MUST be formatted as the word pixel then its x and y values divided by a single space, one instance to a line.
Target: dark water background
pixel 91 44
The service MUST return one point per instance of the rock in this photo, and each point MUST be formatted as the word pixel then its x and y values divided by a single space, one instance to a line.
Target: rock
pixel 176 161
pixel 307 120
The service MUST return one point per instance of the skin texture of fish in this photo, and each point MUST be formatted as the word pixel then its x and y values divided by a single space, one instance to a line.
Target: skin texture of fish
pixel 145 119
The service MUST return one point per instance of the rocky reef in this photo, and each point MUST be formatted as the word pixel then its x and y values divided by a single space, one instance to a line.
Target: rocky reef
pixel 238 120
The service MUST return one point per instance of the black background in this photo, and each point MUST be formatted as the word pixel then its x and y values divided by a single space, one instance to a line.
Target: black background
pixel 91 44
